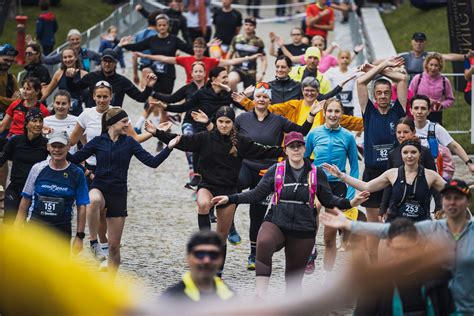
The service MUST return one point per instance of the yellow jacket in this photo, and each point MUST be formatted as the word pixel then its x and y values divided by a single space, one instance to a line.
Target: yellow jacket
pixel 291 110
pixel 297 72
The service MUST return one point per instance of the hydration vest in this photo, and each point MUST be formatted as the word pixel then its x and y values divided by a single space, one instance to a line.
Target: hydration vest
pixel 280 178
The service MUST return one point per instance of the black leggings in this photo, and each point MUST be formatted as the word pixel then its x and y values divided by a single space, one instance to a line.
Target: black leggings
pixel 297 250
pixel 11 204
pixel 249 178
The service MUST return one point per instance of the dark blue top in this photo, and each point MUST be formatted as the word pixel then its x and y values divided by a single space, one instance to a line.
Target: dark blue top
pixel 379 134
pixel 113 160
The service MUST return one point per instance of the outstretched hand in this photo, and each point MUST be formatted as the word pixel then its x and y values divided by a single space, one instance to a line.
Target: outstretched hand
pixel 174 142
pixel 338 220
pixel 396 61
pixel 221 85
pixel 199 116
pixel 238 96
pixel 333 170
pixel 151 79
pixel 360 198
pixel 160 104
pixel 220 200
pixel 316 107
pixel 150 127
pixel 125 40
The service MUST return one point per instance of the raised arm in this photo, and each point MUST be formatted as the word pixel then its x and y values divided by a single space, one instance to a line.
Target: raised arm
pixel 237 61
pixel 250 149
pixel 47 90
pixel 141 96
pixel 76 134
pixel 148 159
pixel 374 185
pixel 160 58
pixel 457 149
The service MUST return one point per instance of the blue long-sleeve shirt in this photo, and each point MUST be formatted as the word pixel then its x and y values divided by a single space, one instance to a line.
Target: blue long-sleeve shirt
pixel 461 250
pixel 113 160
pixel 333 146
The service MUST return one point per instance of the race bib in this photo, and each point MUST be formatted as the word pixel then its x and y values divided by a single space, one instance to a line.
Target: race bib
pixel 411 209
pixel 51 206
pixel 345 96
pixel 380 152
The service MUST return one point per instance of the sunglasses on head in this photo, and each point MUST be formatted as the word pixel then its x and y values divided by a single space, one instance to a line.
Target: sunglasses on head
pixel 103 83
pixel 263 84
pixel 201 254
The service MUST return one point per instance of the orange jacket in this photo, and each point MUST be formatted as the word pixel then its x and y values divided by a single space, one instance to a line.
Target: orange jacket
pixel 291 110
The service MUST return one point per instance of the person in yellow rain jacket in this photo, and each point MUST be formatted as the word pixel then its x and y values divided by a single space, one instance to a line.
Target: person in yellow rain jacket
pixel 312 57
pixel 297 110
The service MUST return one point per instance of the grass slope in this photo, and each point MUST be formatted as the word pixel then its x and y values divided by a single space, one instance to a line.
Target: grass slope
pixel 401 24
pixel 78 14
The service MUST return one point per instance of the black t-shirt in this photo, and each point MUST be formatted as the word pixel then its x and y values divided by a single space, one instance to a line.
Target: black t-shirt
pixel 295 50
pixel 226 24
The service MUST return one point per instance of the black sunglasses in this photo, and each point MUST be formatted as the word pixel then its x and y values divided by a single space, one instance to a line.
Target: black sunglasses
pixel 201 254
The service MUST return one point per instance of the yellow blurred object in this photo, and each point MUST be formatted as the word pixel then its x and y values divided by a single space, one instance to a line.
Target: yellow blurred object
pixel 38 277
pixel 352 213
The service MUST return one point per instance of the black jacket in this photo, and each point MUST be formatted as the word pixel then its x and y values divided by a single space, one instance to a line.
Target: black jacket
pixel 297 218
pixel 39 71
pixel 121 86
pixel 24 154
pixel 285 89
pixel 216 166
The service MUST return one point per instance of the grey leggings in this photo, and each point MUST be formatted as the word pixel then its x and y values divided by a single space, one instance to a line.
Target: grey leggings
pixel 297 250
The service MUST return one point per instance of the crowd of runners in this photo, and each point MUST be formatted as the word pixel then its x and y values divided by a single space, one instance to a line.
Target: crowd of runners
pixel 291 148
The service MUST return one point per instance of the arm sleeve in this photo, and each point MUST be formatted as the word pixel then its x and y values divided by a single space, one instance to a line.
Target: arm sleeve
pixel 289 126
pixel 253 150
pixel 264 187
pixel 172 98
pixel 29 187
pixel 78 85
pixel 137 95
pixel 376 229
pixel 82 192
pixel 85 152
pixel 146 158
pixel 352 123
pixel 325 195
pixel 187 143
pixel 330 94
pixel 190 104
pixel 140 46
pixel 354 165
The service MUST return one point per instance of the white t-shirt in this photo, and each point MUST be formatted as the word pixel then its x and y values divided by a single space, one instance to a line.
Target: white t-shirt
pixel 336 77
pixel 442 135
pixel 91 121
pixel 65 125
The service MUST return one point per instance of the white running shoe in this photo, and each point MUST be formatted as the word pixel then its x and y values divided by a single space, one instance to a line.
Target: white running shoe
pixel 97 252
pixel 105 248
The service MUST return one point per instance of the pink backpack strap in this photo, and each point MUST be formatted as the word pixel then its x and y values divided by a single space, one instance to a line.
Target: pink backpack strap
pixel 312 184
pixel 279 179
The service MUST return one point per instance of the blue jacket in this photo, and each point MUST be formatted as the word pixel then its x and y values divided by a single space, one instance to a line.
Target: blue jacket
pixel 46 27
pixel 107 43
pixel 113 160
pixel 333 146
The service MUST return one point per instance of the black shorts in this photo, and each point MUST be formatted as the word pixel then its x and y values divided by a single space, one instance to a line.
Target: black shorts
pixel 115 204
pixel 375 198
pixel 219 190
pixel 338 188
pixel 247 79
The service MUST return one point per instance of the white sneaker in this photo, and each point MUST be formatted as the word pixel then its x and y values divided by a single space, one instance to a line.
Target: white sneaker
pixel 105 248
pixel 104 266
pixel 97 252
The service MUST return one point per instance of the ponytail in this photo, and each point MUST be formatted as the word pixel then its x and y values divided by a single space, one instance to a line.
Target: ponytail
pixel 233 140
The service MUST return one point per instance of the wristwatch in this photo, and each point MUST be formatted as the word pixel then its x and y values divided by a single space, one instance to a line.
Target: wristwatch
pixel 80 235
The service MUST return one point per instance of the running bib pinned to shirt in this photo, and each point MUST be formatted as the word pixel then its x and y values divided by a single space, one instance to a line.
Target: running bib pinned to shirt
pixel 411 209
pixel 51 206
pixel 159 68
pixel 380 152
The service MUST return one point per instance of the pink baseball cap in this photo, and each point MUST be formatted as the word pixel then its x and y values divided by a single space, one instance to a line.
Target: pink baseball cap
pixel 292 137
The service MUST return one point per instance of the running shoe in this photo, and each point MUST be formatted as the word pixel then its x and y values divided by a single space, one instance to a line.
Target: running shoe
pixel 104 266
pixel 97 252
pixel 234 237
pixel 310 265
pixel 251 263
pixel 137 130
pixel 105 249
pixel 193 184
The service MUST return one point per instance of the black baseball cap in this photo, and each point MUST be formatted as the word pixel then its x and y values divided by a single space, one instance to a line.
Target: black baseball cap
pixel 419 36
pixel 458 185
pixel 251 20
pixel 109 53
pixel 8 50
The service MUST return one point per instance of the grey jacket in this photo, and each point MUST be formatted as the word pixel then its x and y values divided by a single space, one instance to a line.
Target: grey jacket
pixel 462 283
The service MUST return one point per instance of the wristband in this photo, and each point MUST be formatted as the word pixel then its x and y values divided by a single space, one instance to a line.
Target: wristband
pixel 355 52
pixel 208 122
pixel 468 162
pixel 80 235
pixel 311 114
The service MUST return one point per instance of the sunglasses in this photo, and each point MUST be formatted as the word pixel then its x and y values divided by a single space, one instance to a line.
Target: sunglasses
pixel 263 84
pixel 103 83
pixel 201 254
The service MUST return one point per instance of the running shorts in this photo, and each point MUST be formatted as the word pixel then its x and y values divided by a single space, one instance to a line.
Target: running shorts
pixel 218 190
pixel 375 198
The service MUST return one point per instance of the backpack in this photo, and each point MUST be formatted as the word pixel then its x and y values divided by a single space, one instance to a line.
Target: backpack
pixel 432 141
pixel 86 62
pixel 419 80
pixel 280 177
